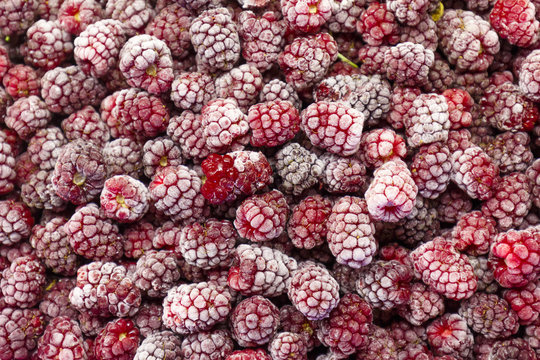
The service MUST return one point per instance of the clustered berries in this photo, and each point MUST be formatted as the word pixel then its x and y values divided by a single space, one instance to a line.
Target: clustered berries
pixel 269 179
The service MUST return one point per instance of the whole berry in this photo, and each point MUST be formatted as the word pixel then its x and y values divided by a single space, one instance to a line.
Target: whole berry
pixel 306 60
pixel 25 325
pixel 156 272
pixel 124 199
pixel 333 126
pixel 16 16
pixel 307 226
pixel 86 123
pixel 123 156
pixel 515 348
pixel 103 289
pixel 159 345
pixel 529 76
pixel 191 91
pixel 249 354
pixel 279 90
pixel 52 247
pixel 381 145
pixel 75 15
pixel 273 123
pixel 460 105
pixel 427 120
pixel 55 301
pixel 489 315
pixel 343 174
pixel 287 345
pixel 306 15
pixel 92 235
pixel 23 282
pixel 242 84
pixel 214 36
pixel 191 308
pixel 391 194
pixel 351 232
pixel 186 130
pixel 207 345
pixel 346 330
pixel 514 257
pixel 408 64
pixel 262 217
pixel 262 36
pixel 45 147
pixel 8 173
pixel 207 244
pixel 99 61
pixel 62 337
pixel 26 115
pixel 298 168
pixel 254 321
pixel 444 269
pixel 431 169
pixel 313 291
pixel 175 191
pixel 292 320
pixel 525 302
pixel 424 304
pixel 515 21
pixel 16 222
pixel 474 233
pixel 47 45
pixel 449 335
pixel 134 15
pixel 79 173
pixel 380 345
pixel 260 270
pixel 21 81
pixel 119 339
pixel 378 25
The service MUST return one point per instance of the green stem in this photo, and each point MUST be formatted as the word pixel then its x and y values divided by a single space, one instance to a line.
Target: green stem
pixel 347 61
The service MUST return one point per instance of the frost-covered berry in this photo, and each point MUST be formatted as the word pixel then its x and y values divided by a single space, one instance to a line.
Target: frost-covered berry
pixel 207 345
pixel 191 91
pixel 47 45
pixel 16 222
pixel 273 123
pixel 242 84
pixel 23 281
pixel 156 272
pixel 254 321
pixel 124 199
pixel 449 335
pixel 306 15
pixel 26 115
pixel 298 168
pixel 378 25
pixel 431 169
pixel 75 15
pixel 171 25
pixel 408 64
pixel 133 14
pixel 62 337
pixel 427 120
pixel 307 226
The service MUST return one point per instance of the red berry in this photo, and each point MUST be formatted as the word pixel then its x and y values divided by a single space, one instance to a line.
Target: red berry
pixel 119 339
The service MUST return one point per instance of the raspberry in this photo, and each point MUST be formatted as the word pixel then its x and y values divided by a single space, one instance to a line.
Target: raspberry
pixel 475 83
pixel 55 301
pixel 507 108
pixel 449 335
pixel 119 339
pixel 278 90
pixel 159 345
pixel 313 291
pixel 103 289
pixel 99 60
pixel 372 59
pixel 186 130
pixel 8 173
pixel 408 13
pixel 47 52
pixel 441 76
pixel 529 77
pixel 511 201
pixel 444 269
pixel 380 345
pixel 533 173
pixel 525 302
pixel 381 145
pixel 343 175
pixel 262 37
pixel 422 223
pixel 16 16
pixel 16 222
pixel 134 15
pixel 52 247
pixel 138 239
pixel 378 25
pixel 306 60
pixel 333 126
pixel 62 337
pixel 123 156
pixel 159 153
pixel 512 349
pixel 191 91
pixel 489 315
pixel 146 62
pixel 214 36
pixel 23 281
pixel 351 232
pixel 260 270
pixel 66 90
pixel 474 172
pixel 306 15
pixel 467 40
pixel 474 233
pixel 148 319
pixel 515 21
pixel 191 308
pixel 124 199
pixel 401 102
pixel 307 226
pixel 20 330
pixel 427 120
pixel 21 81
pixel 273 123
pixel 288 345
pixel 171 25
pixel 514 257
pixel 424 304
pixel 45 147
pixel 175 191
pixel 346 330
pixel 459 107
pixel 86 124
pixel 26 115
pixel 225 126
pixel 92 235
pixel 249 354
pixel 204 345
pixel 79 172
pixel 390 196
pixel 262 217
pixel 75 15
pixel 209 244
pixel 423 33
pixel 298 168
pixel 292 320
pixel 431 169
pixel 532 335
pixel 385 284
pixel 38 193
pixel 254 321
pixel 242 84
pixel 510 151
pixel 408 63
pixel 482 270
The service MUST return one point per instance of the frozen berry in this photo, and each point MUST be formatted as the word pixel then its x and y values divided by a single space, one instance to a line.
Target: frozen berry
pixel 75 15
pixel 24 325
pixel 427 120
pixel 242 84
pixel 298 168
pixel 273 123
pixel 449 335
pixel 408 64
pixel 191 91
pixel 23 282
pixel 21 81
pixel 515 21
pixel 119 339
pixel 474 233
pixel 254 321
pixel 207 345
pixel 306 15
pixel 424 304
pixel 134 15
pixel 62 338
pixel 378 25
pixel 26 115
pixel 431 169
pixel 47 45
pixel 158 346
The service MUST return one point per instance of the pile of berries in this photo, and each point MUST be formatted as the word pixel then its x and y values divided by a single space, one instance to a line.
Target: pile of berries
pixel 269 179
